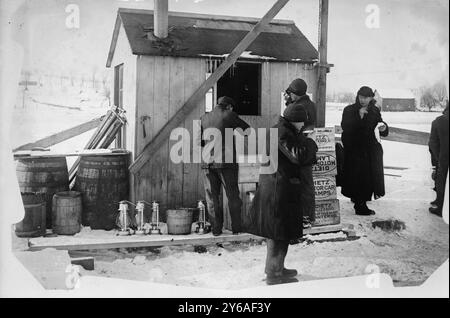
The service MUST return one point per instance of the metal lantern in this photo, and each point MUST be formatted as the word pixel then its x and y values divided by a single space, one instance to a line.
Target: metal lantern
pixel 155 219
pixel 201 224
pixel 140 217
pixel 123 221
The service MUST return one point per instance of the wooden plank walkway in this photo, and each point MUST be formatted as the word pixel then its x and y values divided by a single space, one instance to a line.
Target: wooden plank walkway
pixel 103 241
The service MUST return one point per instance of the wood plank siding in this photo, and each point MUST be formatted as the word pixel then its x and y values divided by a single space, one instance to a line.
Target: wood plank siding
pixel 163 85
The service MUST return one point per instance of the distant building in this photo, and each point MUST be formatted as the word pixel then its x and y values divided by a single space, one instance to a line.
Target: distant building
pixel 395 100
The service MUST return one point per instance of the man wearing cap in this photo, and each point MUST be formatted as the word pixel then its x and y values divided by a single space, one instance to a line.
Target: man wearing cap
pixel 296 97
pixel 218 172
pixel 276 211
pixel 363 154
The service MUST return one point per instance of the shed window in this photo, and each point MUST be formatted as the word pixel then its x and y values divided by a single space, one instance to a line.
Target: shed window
pixel 242 82
pixel 118 86
pixel 118 101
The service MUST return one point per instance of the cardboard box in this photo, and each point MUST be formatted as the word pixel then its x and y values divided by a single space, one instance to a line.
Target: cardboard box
pixel 325 187
pixel 327 213
pixel 326 164
pixel 324 138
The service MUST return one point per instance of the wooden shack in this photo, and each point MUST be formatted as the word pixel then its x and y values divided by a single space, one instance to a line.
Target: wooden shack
pixel 155 77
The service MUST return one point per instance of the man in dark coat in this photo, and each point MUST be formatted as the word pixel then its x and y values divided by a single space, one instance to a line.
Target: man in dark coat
pixel 276 211
pixel 296 96
pixel 438 145
pixel 218 172
pixel 363 154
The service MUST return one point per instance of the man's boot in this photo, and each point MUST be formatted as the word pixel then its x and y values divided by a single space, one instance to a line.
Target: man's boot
pixel 436 211
pixel 289 272
pixel 362 209
pixel 275 280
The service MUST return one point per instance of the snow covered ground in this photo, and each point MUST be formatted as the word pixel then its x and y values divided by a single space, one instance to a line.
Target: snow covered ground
pixel 408 256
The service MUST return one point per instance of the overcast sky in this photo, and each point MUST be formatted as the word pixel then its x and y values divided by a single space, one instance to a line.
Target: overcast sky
pixel 404 52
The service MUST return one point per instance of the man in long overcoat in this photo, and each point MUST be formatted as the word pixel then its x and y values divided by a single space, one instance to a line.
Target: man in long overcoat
pixel 276 212
pixel 363 153
pixel 438 145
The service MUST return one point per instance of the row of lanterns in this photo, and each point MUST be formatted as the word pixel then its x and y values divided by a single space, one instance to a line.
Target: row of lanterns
pixel 126 222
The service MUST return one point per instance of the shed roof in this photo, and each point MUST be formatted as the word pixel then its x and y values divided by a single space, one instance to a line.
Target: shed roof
pixel 395 93
pixel 199 35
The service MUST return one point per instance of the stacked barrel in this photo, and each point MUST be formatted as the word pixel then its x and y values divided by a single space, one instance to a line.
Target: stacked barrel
pixel 324 176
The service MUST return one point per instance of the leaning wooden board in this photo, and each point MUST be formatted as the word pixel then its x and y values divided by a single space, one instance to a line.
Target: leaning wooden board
pixel 50 154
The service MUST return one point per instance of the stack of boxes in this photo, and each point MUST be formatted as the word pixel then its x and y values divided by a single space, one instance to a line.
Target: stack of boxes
pixel 324 176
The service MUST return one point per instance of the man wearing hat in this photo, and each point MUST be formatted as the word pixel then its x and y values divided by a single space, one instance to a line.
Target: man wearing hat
pixel 276 211
pixel 363 154
pixel 217 172
pixel 296 98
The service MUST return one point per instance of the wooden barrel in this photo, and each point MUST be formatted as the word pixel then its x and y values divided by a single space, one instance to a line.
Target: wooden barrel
pixel 33 223
pixel 103 183
pixel 44 175
pixel 66 216
pixel 179 221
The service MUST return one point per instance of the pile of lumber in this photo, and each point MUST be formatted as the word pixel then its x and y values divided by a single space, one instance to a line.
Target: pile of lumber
pixel 103 137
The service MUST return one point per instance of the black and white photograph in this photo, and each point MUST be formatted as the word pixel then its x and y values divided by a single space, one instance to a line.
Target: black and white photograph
pixel 240 149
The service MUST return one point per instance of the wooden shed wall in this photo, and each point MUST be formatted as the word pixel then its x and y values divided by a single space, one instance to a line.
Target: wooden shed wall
pixel 163 85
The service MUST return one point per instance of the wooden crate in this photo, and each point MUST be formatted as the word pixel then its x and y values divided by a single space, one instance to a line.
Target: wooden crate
pixel 325 187
pixel 324 138
pixel 327 213
pixel 326 164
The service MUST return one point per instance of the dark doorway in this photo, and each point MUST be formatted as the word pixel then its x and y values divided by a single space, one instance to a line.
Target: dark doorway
pixel 242 82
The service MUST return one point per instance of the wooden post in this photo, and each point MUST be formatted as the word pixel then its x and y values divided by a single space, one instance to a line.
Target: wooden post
pixel 161 18
pixel 323 66
pixel 191 103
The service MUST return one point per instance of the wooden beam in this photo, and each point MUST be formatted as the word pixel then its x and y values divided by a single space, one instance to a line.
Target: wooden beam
pixel 191 103
pixel 28 154
pixel 62 136
pixel 323 64
pixel 323 229
pixel 74 243
pixel 134 241
pixel 408 136
pixel 400 135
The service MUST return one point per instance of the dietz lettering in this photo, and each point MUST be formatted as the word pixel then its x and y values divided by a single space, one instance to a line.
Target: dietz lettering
pixel 326 163
pixel 325 188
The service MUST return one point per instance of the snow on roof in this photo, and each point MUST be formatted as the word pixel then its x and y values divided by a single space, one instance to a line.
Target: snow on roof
pixel 396 93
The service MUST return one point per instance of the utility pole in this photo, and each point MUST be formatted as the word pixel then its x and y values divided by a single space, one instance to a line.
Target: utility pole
pixel 323 67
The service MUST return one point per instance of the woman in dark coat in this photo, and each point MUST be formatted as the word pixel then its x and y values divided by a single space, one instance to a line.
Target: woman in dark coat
pixel 276 211
pixel 363 154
